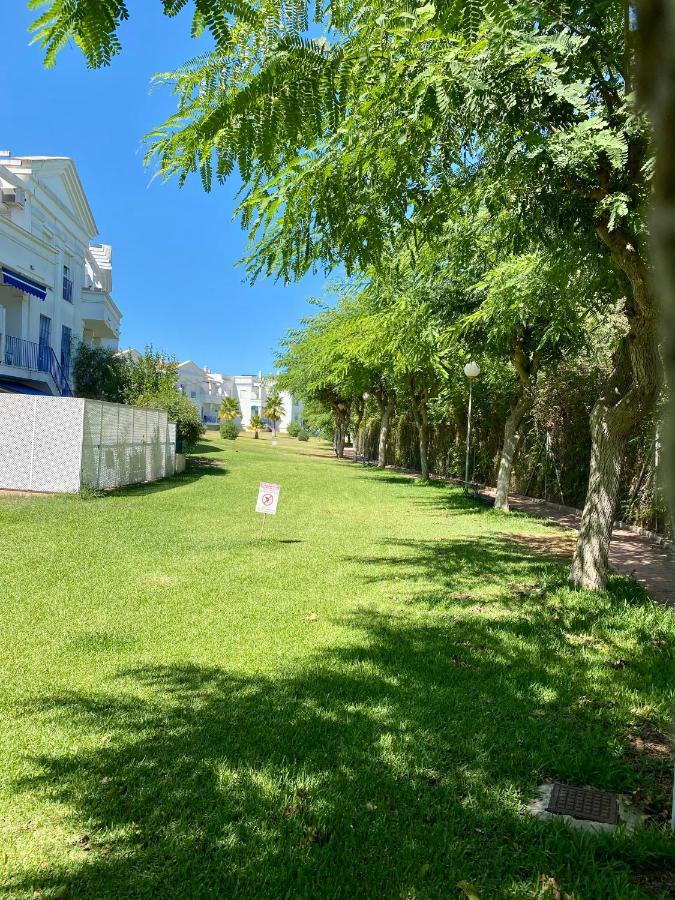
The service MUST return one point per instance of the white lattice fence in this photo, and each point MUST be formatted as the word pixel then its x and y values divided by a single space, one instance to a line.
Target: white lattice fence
pixel 58 444
pixel 40 443
pixel 125 445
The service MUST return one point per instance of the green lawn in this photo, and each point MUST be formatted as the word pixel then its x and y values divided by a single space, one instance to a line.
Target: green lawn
pixel 356 704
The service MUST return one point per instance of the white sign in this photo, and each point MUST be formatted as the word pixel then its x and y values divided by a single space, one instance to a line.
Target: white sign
pixel 268 498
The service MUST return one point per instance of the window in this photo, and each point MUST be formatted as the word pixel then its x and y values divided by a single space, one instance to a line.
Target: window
pixel 45 343
pixel 193 394
pixel 67 284
pixel 66 347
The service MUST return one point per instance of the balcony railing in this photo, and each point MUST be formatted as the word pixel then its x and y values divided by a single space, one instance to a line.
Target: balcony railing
pixel 39 357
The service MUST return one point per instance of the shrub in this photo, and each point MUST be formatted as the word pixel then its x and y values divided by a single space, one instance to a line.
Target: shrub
pixel 293 429
pixel 229 431
pixel 189 427
pixel 303 435
pixel 98 374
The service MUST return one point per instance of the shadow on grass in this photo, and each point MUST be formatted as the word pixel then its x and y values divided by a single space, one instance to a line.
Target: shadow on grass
pixel 392 766
pixel 202 447
pixel 443 496
pixel 173 482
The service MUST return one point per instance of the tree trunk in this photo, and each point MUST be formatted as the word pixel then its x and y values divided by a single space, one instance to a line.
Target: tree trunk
pixel 511 439
pixel 341 425
pixel 360 412
pixel 590 566
pixel 339 440
pixel 656 36
pixel 386 410
pixel 423 434
pixel 628 397
pixel 656 33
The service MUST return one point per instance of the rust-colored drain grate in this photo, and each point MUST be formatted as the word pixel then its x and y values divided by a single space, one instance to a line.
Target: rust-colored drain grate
pixel 583 803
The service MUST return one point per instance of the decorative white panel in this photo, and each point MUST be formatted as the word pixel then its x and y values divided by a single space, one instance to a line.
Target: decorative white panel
pixel 17 414
pixel 40 443
pixel 57 444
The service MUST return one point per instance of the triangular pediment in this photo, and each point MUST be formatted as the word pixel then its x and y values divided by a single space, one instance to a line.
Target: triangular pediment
pixel 59 177
pixel 190 368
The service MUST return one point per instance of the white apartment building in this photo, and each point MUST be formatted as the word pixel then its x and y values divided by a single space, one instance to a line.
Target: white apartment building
pixel 55 284
pixel 207 389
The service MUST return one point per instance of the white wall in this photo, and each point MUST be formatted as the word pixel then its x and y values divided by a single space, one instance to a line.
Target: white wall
pixel 57 444
pixel 40 443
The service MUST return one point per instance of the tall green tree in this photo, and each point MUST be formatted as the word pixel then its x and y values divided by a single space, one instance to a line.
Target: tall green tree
pixel 99 373
pixel 533 310
pixel 319 363
pixel 153 373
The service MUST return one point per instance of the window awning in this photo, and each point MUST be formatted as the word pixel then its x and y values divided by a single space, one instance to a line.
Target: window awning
pixel 16 387
pixel 27 285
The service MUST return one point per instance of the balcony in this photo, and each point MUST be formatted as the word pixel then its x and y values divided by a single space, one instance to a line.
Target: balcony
pixel 100 314
pixel 34 358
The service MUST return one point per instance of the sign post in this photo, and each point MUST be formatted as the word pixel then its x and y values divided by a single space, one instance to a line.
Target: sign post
pixel 268 500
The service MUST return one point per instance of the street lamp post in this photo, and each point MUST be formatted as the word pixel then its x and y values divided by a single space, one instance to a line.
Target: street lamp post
pixel 471 370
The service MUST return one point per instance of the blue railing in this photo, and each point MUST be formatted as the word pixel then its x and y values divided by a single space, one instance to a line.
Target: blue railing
pixel 39 357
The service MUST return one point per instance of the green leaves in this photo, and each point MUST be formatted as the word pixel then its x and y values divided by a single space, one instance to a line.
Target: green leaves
pixel 93 24
pixel 616 207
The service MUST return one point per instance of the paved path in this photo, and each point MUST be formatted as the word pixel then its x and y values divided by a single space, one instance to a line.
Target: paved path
pixel 648 562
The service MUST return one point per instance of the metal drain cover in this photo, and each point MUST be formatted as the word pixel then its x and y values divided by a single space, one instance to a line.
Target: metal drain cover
pixel 583 803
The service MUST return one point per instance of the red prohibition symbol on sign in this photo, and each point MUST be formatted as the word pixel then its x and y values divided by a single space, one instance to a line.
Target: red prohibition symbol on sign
pixel 267 499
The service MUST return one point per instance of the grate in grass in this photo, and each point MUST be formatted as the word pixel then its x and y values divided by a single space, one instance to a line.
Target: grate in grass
pixel 583 803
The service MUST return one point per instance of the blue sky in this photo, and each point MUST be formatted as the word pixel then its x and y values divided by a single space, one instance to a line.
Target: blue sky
pixel 174 250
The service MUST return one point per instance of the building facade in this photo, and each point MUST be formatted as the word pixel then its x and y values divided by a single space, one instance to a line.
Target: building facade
pixel 207 389
pixel 55 284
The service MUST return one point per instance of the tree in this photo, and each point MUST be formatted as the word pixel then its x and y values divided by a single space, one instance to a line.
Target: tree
pixel 229 409
pixel 318 364
pixel 255 425
pixel 99 374
pixel 152 373
pixel 532 311
pixel 274 409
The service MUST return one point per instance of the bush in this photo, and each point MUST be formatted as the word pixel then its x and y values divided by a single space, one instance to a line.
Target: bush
pixel 293 429
pixel 98 374
pixel 189 427
pixel 229 431
pixel 303 435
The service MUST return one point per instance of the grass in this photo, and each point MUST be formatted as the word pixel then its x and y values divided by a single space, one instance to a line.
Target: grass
pixel 357 703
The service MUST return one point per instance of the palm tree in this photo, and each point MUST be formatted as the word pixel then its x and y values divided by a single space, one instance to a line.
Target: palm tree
pixel 274 409
pixel 256 425
pixel 229 409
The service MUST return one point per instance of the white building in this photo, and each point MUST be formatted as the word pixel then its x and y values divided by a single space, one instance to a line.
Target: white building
pixel 207 389
pixel 54 283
